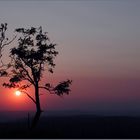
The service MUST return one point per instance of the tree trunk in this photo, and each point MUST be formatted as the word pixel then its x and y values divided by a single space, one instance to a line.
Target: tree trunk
pixel 35 119
pixel 38 108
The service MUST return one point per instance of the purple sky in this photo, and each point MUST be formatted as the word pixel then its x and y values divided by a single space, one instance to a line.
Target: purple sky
pixel 99 48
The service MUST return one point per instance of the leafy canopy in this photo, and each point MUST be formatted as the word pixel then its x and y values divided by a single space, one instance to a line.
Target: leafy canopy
pixel 30 58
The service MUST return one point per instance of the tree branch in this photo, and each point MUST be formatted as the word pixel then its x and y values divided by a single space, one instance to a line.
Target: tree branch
pixel 40 70
pixel 29 77
pixel 47 89
pixel 41 94
pixel 29 96
pixel 8 42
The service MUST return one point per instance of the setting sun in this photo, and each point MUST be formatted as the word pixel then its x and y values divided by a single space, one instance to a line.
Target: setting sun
pixel 17 93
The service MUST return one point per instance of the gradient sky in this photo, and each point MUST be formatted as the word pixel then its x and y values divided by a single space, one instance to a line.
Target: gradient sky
pixel 99 49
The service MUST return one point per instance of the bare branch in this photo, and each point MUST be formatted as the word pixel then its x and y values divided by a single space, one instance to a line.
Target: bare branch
pixel 29 96
pixel 41 94
pixel 9 41
pixel 51 91
pixel 44 87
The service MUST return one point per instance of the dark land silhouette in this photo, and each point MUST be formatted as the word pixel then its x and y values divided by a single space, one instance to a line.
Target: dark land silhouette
pixel 73 126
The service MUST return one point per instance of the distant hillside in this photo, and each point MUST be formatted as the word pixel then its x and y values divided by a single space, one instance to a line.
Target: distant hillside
pixel 76 126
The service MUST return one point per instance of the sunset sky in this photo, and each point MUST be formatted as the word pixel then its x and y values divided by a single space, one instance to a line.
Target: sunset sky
pixel 99 49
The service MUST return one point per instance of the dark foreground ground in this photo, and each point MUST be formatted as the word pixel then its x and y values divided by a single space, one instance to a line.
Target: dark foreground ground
pixel 74 127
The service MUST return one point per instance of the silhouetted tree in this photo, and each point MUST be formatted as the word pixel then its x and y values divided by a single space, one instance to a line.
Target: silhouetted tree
pixel 4 41
pixel 30 58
